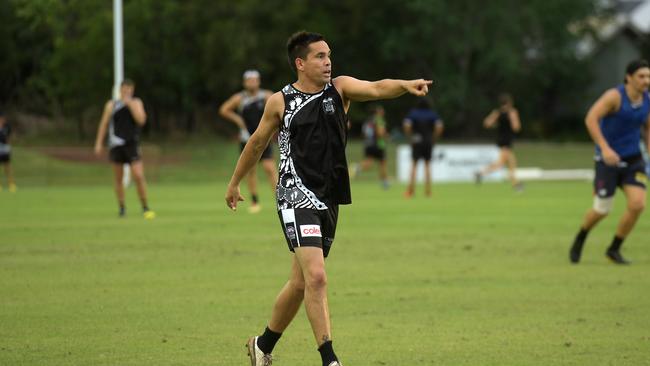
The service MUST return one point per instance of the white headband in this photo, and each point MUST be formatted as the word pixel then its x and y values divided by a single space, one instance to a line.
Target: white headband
pixel 251 74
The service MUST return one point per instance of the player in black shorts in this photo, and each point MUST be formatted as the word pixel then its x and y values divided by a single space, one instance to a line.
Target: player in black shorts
pixel 615 122
pixel 245 110
pixel 507 122
pixel 5 152
pixel 374 141
pixel 122 119
pixel 310 116
pixel 423 126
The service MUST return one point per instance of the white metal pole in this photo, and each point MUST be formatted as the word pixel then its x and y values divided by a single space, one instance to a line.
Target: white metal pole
pixel 118 48
pixel 118 67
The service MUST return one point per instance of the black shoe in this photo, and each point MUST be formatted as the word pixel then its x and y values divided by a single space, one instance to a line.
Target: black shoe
pixel 616 257
pixel 576 251
pixel 122 212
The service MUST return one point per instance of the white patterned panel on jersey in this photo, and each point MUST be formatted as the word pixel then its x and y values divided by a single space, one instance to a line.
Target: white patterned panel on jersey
pixel 113 139
pixel 291 192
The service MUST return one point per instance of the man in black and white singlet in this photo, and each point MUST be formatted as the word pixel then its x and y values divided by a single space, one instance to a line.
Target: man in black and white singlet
pixel 308 149
pixel 311 118
pixel 5 152
pixel 122 119
pixel 245 110
pixel 507 122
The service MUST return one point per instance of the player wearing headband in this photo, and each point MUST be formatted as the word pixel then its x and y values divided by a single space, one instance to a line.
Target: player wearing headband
pixel 245 110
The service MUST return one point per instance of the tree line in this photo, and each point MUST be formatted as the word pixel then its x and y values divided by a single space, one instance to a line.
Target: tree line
pixel 188 56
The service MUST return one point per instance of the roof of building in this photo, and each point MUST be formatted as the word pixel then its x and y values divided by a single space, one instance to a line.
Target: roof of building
pixel 632 15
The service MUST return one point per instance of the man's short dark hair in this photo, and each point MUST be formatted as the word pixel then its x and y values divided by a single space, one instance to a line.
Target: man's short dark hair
pixel 298 46
pixel 128 82
pixel 633 66
pixel 423 103
pixel 505 98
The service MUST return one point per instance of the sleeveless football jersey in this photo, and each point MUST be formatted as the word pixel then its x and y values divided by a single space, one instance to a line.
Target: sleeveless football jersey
pixel 251 109
pixel 122 129
pixel 313 167
pixel 622 129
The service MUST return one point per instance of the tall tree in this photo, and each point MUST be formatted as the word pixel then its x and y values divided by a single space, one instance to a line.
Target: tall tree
pixel 187 55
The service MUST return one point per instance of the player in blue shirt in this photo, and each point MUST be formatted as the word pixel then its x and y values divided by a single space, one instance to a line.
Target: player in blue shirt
pixel 614 123
pixel 423 126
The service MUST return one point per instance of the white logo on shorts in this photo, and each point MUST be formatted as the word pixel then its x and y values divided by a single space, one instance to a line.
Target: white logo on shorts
pixel 310 230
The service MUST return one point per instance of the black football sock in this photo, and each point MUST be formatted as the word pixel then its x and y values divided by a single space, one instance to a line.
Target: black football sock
pixel 582 236
pixel 254 199
pixel 145 207
pixel 616 244
pixel 266 342
pixel 327 353
pixel 576 249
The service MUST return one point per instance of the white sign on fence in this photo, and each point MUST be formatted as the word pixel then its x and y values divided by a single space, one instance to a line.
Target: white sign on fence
pixel 450 163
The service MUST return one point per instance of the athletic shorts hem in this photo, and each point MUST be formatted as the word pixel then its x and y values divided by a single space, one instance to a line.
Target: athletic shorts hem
pixel 124 154
pixel 608 178
pixel 421 152
pixel 375 152
pixel 304 227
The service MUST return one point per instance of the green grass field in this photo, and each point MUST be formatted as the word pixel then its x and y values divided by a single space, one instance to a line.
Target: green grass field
pixel 203 160
pixel 472 276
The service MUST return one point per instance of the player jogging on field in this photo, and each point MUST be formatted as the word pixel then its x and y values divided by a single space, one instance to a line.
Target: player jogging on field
pixel 5 152
pixel 122 119
pixel 506 120
pixel 423 126
pixel 614 123
pixel 374 139
pixel 310 115
pixel 245 110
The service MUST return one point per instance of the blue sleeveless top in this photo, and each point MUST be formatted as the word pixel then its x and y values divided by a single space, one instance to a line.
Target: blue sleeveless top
pixel 622 130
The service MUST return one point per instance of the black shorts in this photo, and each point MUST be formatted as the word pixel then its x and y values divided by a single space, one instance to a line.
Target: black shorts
pixel 266 154
pixel 608 177
pixel 375 152
pixel 5 158
pixel 504 143
pixel 421 151
pixel 305 227
pixel 125 154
